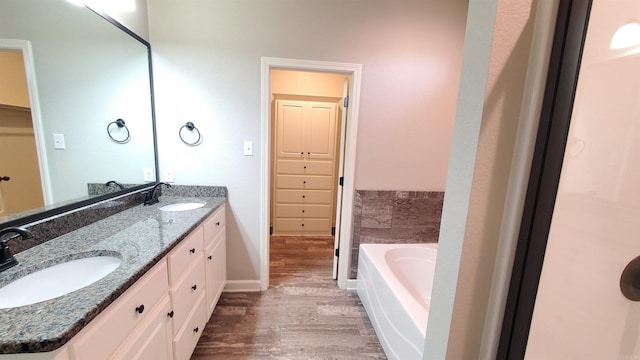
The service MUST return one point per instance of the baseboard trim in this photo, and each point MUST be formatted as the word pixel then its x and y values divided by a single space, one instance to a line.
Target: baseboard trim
pixel 242 285
pixel 352 284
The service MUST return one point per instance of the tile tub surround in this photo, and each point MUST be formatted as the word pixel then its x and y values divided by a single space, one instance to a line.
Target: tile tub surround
pixel 141 235
pixel 394 217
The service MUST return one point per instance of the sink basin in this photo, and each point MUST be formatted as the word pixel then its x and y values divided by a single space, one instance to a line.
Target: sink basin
pixel 56 280
pixel 181 206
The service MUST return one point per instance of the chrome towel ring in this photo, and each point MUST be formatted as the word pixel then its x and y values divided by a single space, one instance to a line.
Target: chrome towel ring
pixel 189 126
pixel 120 124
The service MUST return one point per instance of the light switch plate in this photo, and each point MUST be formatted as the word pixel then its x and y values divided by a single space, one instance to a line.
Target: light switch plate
pixel 168 175
pixel 148 173
pixel 58 142
pixel 248 148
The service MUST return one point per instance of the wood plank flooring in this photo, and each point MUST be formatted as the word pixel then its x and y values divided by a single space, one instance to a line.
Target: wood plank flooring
pixel 303 314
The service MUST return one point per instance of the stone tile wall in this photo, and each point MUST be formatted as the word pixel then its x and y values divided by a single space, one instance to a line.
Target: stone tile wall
pixel 386 217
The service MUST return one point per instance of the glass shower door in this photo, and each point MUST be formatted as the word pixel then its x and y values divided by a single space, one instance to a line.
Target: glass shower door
pixel 580 310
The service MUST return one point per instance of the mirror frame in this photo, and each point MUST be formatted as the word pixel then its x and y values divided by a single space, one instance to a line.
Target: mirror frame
pixel 58 210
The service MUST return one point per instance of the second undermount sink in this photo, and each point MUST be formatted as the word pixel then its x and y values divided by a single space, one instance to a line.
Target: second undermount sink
pixel 56 280
pixel 182 206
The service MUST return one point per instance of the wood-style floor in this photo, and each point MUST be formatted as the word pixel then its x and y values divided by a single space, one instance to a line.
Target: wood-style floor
pixel 303 314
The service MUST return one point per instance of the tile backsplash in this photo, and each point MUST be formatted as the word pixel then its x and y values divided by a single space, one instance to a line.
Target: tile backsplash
pixel 386 217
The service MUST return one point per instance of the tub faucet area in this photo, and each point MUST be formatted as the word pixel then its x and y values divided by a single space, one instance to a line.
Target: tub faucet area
pixel 6 257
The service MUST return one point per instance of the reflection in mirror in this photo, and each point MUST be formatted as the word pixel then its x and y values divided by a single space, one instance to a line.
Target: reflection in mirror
pixel 79 74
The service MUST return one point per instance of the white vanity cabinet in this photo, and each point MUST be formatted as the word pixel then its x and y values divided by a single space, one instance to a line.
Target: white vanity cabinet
pixel 164 313
pixel 215 257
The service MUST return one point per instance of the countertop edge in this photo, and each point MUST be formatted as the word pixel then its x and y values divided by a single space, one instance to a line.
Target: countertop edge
pixel 54 343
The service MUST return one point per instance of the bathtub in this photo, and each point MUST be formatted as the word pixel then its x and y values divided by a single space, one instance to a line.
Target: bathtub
pixel 394 285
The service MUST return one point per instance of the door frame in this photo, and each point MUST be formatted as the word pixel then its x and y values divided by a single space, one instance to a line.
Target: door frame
pixel 24 46
pixel 348 189
pixel 551 140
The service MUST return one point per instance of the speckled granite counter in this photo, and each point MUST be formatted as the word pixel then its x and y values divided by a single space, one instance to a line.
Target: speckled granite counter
pixel 140 236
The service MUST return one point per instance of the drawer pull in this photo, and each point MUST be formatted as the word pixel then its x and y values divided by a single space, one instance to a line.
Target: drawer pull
pixel 309 153
pixel 304 181
pixel 170 314
pixel 302 210
pixel 140 309
pixel 305 167
pixel 194 287
pixel 193 250
pixel 301 152
pixel 196 330
pixel 302 225
pixel 209 257
pixel 218 223
pixel 303 196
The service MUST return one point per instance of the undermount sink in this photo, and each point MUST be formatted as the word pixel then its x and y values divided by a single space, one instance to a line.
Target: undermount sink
pixel 56 280
pixel 181 206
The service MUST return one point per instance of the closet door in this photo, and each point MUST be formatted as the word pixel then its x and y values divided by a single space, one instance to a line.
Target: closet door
pixel 321 130
pixel 290 129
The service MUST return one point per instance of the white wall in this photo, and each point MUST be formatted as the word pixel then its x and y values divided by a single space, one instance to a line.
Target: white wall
pixel 207 70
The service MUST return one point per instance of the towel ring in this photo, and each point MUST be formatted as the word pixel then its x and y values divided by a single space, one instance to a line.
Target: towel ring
pixel 120 124
pixel 189 125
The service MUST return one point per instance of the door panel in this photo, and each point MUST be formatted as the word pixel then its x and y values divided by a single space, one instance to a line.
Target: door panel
pixel 322 131
pixel 580 312
pixel 290 129
pixel 24 190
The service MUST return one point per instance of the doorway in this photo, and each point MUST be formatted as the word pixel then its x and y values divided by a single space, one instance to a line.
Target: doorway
pixel 571 294
pixel 21 185
pixel 344 148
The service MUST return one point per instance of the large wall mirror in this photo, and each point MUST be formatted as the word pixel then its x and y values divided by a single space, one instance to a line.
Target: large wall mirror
pixel 67 75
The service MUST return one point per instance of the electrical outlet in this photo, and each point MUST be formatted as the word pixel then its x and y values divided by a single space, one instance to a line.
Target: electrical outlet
pixel 168 175
pixel 147 173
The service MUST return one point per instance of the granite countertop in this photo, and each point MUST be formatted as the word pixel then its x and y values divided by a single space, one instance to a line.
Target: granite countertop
pixel 141 236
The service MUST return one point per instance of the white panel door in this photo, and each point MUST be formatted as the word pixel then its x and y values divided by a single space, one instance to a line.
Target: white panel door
pixel 321 130
pixel 290 129
pixel 580 311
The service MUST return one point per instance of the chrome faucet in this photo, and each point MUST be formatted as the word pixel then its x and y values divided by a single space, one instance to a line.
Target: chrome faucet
pixel 6 257
pixel 150 195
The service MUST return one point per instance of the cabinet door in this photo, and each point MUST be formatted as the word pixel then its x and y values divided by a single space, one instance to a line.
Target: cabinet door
pixel 152 340
pixel 216 268
pixel 186 339
pixel 321 130
pixel 290 129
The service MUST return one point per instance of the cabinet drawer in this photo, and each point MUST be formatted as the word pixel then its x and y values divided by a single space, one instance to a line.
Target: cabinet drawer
pixel 303 182
pixel 152 340
pixel 316 226
pixel 214 225
pixel 107 331
pixel 303 196
pixel 303 210
pixel 187 338
pixel 185 293
pixel 293 167
pixel 181 256
pixel 216 273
